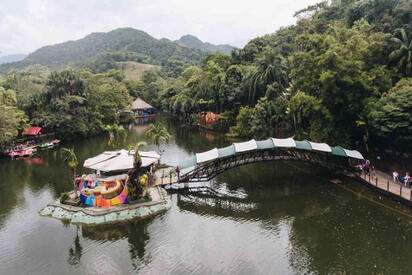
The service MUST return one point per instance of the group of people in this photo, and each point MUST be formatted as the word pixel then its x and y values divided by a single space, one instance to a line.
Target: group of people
pixel 367 167
pixel 406 180
pixel 19 147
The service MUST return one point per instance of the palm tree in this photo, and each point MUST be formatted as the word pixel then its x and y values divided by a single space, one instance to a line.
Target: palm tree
pixel 70 159
pixel 117 135
pixel 271 68
pixel 403 55
pixel 158 133
pixel 137 160
pixel 134 174
pixel 7 97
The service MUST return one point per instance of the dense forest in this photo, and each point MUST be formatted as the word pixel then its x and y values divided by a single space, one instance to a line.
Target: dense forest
pixel 342 74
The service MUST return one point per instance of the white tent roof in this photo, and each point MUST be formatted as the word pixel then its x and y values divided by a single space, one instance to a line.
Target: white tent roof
pixel 353 154
pixel 323 147
pixel 284 142
pixel 149 154
pixel 117 161
pixel 99 158
pixel 245 146
pixel 207 156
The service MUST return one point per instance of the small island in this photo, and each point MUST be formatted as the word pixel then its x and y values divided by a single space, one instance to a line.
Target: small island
pixel 122 186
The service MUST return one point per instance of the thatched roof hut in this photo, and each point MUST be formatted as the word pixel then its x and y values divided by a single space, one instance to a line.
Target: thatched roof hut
pixel 139 104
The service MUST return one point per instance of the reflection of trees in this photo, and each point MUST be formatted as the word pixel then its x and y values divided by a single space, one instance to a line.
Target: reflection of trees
pixel 328 230
pixel 135 232
pixel 75 252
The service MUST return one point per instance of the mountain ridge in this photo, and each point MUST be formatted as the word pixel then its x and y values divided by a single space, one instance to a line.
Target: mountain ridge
pixel 12 58
pixel 122 44
pixel 194 42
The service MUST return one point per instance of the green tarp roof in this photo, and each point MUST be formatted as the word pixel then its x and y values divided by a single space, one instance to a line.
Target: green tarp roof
pixel 304 145
pixel 189 162
pixel 338 151
pixel 226 151
pixel 265 144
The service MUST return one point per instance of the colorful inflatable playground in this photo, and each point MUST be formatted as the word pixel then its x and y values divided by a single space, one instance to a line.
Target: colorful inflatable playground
pixel 102 193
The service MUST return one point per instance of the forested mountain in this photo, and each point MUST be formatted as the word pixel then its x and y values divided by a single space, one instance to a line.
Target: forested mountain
pixel 12 58
pixel 124 44
pixel 342 75
pixel 195 43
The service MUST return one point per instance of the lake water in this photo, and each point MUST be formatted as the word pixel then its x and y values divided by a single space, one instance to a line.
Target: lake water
pixel 282 218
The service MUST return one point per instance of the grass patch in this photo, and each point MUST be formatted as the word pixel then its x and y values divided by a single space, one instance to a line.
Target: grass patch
pixel 134 70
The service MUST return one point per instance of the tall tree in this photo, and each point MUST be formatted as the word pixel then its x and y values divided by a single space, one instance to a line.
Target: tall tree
pixel 271 68
pixel 71 161
pixel 403 54
pixel 158 133
pixel 117 135
pixel 134 175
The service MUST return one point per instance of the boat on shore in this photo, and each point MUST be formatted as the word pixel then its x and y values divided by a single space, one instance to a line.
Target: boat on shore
pixel 27 152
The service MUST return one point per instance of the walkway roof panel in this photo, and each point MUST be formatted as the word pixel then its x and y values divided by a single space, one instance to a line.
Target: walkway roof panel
pixel 265 144
pixel 245 146
pixel 323 147
pixel 305 145
pixel 353 154
pixel 226 151
pixel 186 163
pixel 338 151
pixel 207 156
pixel 284 142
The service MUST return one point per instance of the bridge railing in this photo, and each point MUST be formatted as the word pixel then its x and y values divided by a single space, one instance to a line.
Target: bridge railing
pixel 209 170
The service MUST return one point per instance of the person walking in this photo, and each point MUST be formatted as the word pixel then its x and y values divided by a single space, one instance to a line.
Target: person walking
pixel 395 176
pixel 367 166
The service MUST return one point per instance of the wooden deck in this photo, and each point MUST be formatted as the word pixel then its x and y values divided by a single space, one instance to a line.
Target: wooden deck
pixel 163 177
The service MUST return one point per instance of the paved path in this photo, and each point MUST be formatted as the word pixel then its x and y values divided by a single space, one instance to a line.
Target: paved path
pixel 385 182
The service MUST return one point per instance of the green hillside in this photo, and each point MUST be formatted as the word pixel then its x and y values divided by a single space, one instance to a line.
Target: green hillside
pixel 195 43
pixel 124 44
pixel 134 70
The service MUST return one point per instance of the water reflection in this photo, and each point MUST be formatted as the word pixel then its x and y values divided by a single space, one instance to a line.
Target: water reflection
pixel 75 251
pixel 261 218
pixel 134 232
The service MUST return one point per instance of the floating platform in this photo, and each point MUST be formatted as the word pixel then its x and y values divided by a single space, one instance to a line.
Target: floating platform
pixel 161 201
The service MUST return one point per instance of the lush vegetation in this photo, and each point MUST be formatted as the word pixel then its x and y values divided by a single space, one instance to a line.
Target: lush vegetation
pixel 341 74
pixel 70 102
pixel 327 78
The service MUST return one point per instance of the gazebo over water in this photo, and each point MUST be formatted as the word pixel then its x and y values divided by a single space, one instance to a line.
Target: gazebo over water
pixel 142 109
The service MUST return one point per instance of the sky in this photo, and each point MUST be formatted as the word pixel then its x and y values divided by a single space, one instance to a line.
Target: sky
pixel 26 25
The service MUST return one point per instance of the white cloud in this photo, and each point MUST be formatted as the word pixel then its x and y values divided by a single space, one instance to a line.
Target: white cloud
pixel 26 25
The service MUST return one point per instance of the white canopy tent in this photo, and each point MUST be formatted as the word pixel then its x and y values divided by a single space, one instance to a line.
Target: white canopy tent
pixel 207 156
pixel 245 146
pixel 113 161
pixel 284 142
pixel 353 154
pixel 323 147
